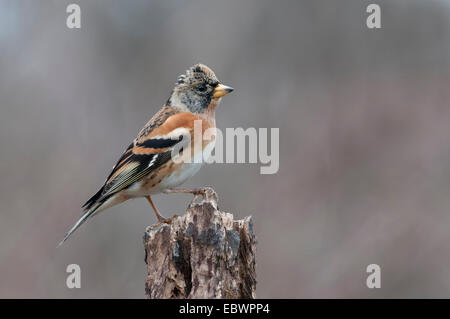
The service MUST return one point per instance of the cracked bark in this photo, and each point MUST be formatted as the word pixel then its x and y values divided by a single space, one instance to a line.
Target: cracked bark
pixel 203 254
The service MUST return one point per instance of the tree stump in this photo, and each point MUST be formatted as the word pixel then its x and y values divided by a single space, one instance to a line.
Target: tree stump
pixel 203 254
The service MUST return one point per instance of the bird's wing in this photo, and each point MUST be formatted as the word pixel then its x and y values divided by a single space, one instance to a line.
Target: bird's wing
pixel 148 152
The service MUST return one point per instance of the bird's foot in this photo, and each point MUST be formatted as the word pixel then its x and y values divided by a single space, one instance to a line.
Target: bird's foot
pixel 164 220
pixel 169 220
pixel 207 193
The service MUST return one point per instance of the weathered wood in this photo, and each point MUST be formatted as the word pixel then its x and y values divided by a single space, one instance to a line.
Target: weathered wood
pixel 203 254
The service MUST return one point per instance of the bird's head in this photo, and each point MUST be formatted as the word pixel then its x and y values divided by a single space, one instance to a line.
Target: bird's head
pixel 196 89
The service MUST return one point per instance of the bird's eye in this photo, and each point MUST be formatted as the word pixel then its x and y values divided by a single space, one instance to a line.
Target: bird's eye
pixel 201 88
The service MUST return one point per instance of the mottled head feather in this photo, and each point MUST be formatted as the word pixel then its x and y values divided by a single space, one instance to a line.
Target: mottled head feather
pixel 194 89
pixel 201 71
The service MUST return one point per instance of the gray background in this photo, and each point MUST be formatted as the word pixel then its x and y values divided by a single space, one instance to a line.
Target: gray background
pixel 364 139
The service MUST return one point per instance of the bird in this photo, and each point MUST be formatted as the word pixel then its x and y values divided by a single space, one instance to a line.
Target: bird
pixel 147 166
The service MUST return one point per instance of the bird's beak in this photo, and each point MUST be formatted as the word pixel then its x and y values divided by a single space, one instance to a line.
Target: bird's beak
pixel 222 90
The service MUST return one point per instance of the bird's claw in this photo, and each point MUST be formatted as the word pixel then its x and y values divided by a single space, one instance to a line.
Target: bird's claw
pixel 167 220
pixel 208 194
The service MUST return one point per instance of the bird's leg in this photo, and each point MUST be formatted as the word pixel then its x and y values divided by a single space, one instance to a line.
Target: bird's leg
pixel 158 215
pixel 207 193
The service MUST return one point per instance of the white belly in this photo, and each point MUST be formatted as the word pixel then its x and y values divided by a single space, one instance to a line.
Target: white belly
pixel 178 177
pixel 184 172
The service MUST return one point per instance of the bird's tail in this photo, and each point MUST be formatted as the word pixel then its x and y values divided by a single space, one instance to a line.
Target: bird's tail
pixel 90 208
pixel 80 222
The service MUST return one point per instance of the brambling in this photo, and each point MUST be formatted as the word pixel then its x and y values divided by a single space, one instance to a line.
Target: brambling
pixel 147 166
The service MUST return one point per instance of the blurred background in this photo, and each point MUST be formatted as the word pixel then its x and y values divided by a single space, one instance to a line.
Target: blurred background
pixel 364 122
